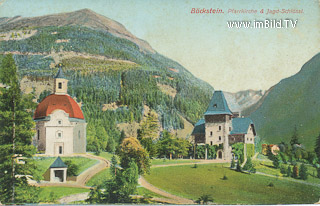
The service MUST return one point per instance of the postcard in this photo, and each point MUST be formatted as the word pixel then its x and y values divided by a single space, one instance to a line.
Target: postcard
pixel 160 102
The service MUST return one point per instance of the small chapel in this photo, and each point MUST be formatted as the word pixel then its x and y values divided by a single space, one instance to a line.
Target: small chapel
pixel 220 126
pixel 60 124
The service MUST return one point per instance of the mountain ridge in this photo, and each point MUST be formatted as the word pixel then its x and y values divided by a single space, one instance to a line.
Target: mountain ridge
pixel 83 17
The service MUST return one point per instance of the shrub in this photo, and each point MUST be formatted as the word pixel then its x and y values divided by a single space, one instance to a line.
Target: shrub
pixel 303 172
pixel 238 169
pixel 233 163
pixel 73 169
pixel 270 184
pixel 283 170
pixel 225 177
pixel 289 171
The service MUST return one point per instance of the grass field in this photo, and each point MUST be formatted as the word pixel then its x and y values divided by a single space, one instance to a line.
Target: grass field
pixel 239 188
pixel 43 163
pixel 99 177
pixel 51 194
pixel 174 161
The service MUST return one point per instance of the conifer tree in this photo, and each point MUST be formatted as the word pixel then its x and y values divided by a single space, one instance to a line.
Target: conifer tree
pixel 289 171
pixel 295 138
pixel 303 172
pixel 15 138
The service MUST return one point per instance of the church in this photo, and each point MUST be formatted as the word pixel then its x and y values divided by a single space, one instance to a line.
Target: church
pixel 60 124
pixel 220 126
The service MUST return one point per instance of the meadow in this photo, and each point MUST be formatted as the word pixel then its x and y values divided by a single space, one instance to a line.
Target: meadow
pixel 43 163
pixel 239 188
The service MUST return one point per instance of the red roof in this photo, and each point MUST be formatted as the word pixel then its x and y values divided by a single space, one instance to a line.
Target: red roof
pixel 54 102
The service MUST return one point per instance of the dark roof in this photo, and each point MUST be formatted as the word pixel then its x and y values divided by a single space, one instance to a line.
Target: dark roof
pixel 199 127
pixel 58 163
pixel 241 125
pixel 218 105
pixel 60 74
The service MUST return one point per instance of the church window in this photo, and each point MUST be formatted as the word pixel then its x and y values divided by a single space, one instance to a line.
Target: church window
pixel 229 117
pixel 59 122
pixel 211 133
pixel 60 85
pixel 210 142
pixel 229 129
pixel 219 138
pixel 38 135
pixel 219 128
pixel 60 149
pixel 250 139
pixel 59 134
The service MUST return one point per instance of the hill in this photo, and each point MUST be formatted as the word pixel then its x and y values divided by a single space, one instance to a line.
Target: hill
pixel 294 101
pixel 111 73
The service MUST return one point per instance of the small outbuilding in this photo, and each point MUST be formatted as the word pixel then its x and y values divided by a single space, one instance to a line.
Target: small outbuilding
pixel 57 172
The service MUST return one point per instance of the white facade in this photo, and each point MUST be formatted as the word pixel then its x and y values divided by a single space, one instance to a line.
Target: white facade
pixel 60 136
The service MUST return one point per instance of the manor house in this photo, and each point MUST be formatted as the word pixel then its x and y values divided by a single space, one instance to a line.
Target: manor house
pixel 222 127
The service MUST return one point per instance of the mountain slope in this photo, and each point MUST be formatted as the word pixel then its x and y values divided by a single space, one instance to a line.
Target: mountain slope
pixel 84 17
pixel 105 64
pixel 294 101
pixel 242 100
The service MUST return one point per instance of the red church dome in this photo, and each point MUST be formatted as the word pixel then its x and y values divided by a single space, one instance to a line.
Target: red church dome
pixel 54 102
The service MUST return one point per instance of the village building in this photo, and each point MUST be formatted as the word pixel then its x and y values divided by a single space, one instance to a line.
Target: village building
pixel 60 124
pixel 57 172
pixel 222 127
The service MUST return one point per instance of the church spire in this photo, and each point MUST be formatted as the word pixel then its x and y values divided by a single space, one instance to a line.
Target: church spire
pixel 60 83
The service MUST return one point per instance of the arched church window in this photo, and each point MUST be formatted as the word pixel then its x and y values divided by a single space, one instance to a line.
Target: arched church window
pixel 38 134
pixel 59 134
pixel 60 85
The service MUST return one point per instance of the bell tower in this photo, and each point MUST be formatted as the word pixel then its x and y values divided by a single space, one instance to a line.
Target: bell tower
pixel 60 83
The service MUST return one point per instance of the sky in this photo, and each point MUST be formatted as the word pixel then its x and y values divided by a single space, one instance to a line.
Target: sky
pixel 229 59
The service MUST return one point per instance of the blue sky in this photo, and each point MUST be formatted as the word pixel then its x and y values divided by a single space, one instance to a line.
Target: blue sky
pixel 228 59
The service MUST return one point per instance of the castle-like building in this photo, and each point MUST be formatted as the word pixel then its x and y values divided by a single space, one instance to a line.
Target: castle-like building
pixel 60 124
pixel 222 127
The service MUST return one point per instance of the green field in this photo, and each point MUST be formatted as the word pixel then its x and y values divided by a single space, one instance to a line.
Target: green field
pixel 239 188
pixel 174 161
pixel 43 163
pixel 99 178
pixel 51 194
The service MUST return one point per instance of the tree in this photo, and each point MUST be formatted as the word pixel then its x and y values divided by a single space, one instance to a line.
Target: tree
pixel 289 171
pixel 276 161
pixel 73 168
pixel 118 189
pixel 131 150
pixel 15 138
pixel 303 172
pixel 249 166
pixel 317 147
pixel 167 145
pixel 295 138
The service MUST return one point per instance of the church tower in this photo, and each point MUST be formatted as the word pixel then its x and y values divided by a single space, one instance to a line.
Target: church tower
pixel 60 83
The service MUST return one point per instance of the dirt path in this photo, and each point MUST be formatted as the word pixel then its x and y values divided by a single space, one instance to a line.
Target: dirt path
pixel 74 197
pixel 172 199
